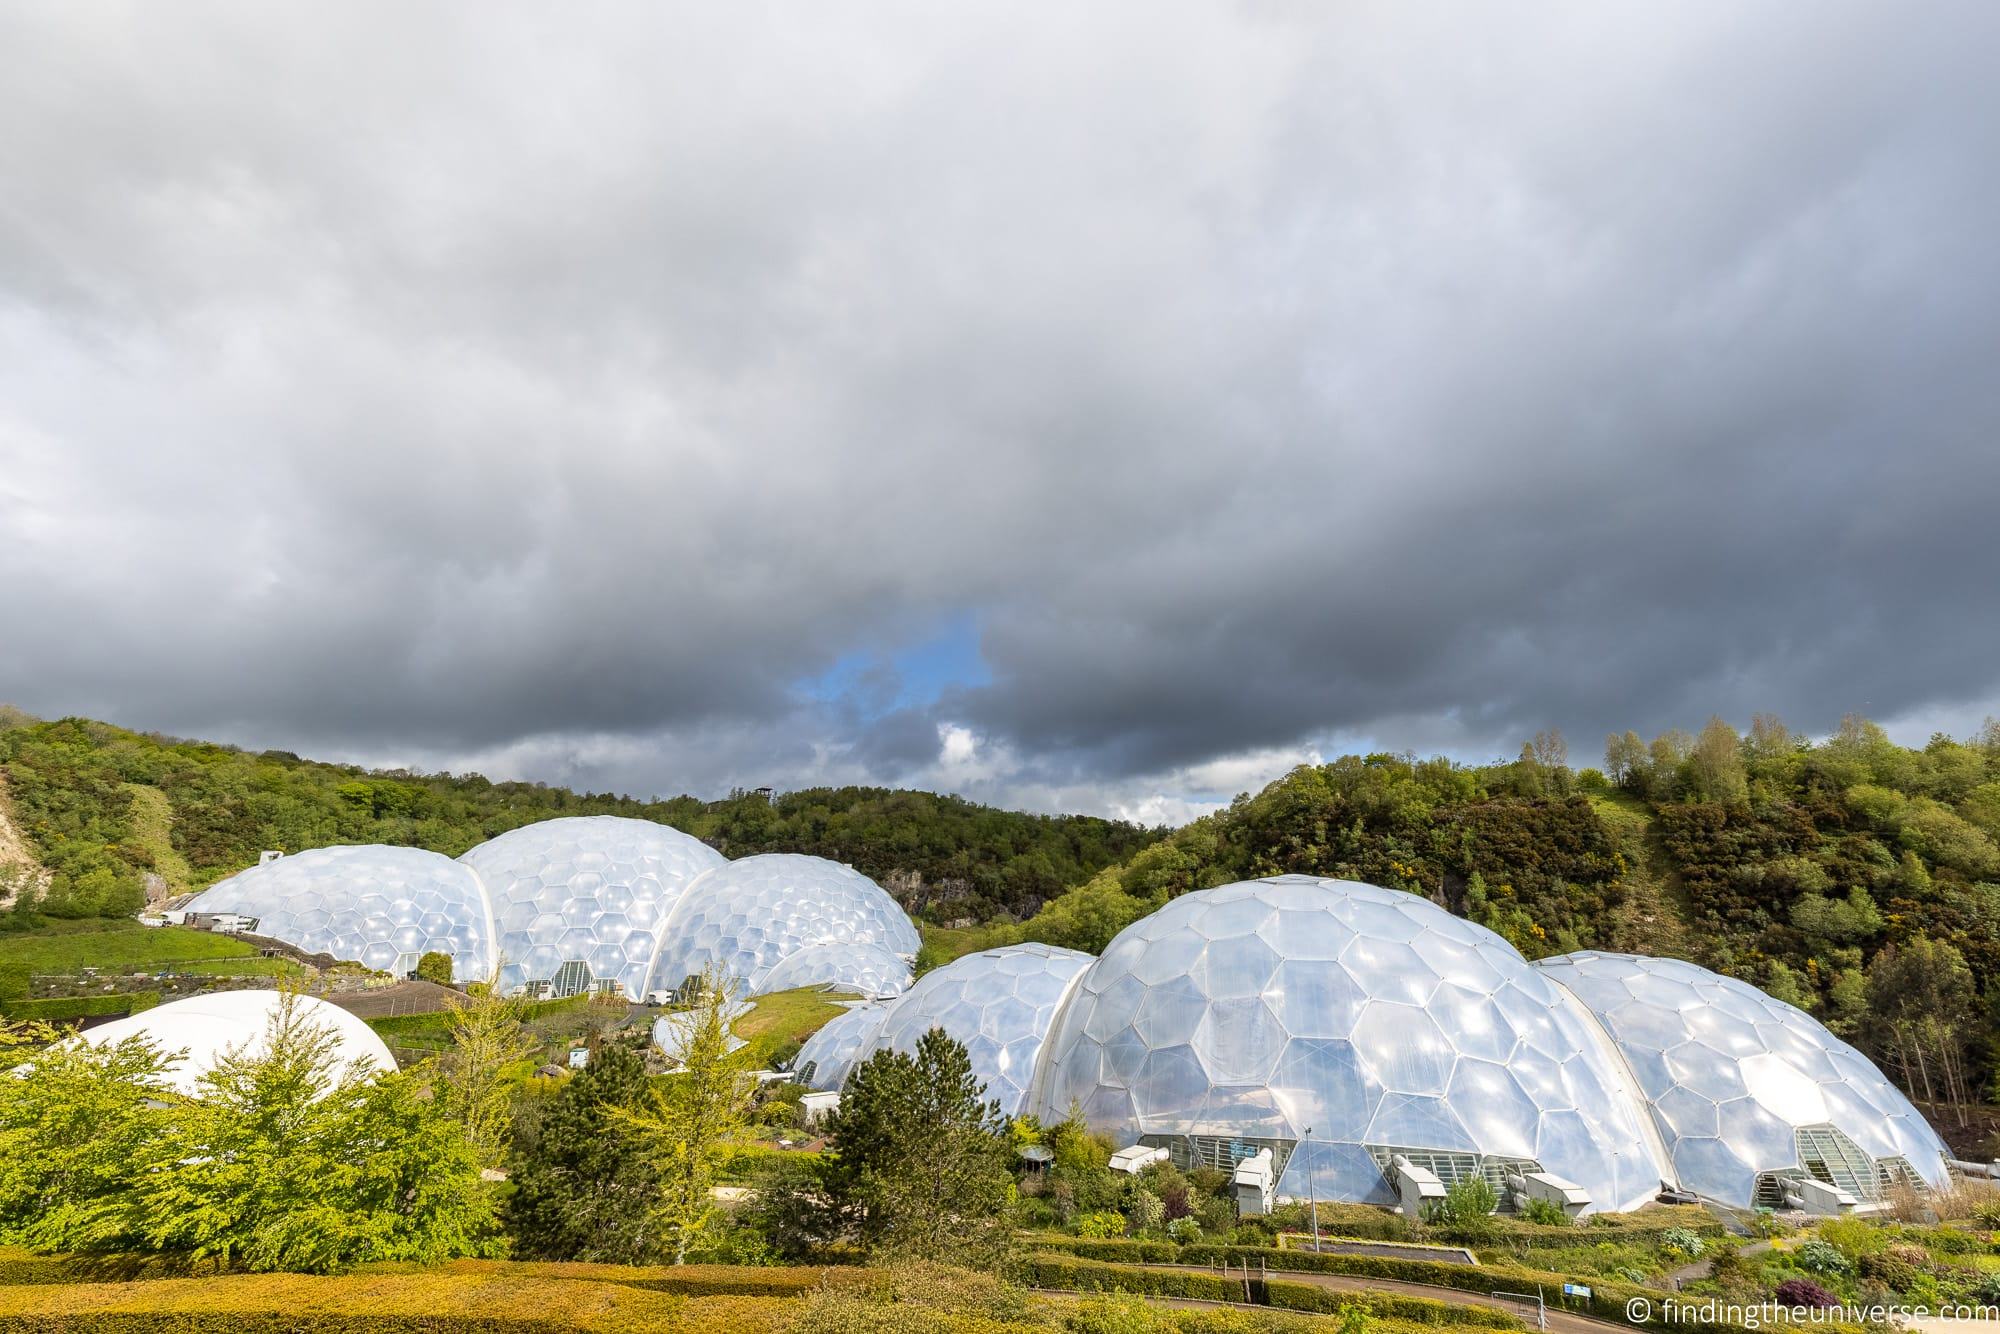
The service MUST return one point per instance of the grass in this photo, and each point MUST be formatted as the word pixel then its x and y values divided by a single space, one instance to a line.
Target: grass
pixel 942 944
pixel 786 1017
pixel 109 944
pixel 152 829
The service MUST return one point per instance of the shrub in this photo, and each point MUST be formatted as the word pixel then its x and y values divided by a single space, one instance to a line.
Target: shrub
pixel 1805 1292
pixel 1101 1226
pixel 1184 1230
pixel 1680 1241
pixel 1820 1257
pixel 1545 1213
pixel 1145 1212
pixel 1765 1223
pixel 1466 1207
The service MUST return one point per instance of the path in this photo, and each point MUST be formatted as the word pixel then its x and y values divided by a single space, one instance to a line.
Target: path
pixel 1654 917
pixel 1701 1269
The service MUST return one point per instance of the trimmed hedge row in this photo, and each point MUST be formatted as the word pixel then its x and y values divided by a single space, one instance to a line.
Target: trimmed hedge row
pixel 680 1280
pixel 61 1009
pixel 1075 1275
pixel 1606 1302
pixel 382 1304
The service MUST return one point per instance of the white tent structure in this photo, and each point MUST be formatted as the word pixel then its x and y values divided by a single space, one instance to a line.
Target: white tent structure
pixel 209 1027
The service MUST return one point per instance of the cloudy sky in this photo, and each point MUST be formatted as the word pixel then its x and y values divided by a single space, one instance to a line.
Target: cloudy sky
pixel 1090 407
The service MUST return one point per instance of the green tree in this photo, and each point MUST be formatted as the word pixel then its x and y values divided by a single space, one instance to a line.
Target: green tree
pixel 690 1119
pixel 281 1162
pixel 76 1120
pixel 1714 770
pixel 583 1188
pixel 1921 995
pixel 435 967
pixel 488 1036
pixel 920 1157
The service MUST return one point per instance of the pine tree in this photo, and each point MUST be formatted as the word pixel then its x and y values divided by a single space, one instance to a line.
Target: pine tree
pixel 582 1188
pixel 689 1119
pixel 920 1156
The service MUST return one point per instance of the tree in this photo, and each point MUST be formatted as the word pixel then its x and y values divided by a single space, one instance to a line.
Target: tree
pixel 583 1188
pixel 1921 996
pixel 920 1157
pixel 280 1163
pixel 75 1122
pixel 688 1120
pixel 1714 766
pixel 1626 760
pixel 435 967
pixel 487 1036
pixel 1769 738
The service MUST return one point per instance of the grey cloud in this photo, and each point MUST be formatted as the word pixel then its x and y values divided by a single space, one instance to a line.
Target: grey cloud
pixel 556 394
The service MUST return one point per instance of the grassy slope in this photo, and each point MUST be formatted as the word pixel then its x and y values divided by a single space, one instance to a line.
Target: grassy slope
pixel 153 830
pixel 786 1017
pixel 1654 918
pixel 68 946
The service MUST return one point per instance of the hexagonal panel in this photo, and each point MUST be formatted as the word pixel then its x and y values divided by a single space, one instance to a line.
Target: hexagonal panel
pixel 370 904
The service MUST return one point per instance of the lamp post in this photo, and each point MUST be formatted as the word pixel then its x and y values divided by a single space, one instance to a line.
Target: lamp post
pixel 1312 1196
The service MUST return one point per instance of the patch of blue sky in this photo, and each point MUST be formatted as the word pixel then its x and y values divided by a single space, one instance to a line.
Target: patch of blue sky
pixel 874 682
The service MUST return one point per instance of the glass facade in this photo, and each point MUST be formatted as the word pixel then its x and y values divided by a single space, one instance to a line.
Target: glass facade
pixel 749 917
pixel 1733 1076
pixel 378 906
pixel 1351 1020
pixel 592 889
pixel 829 1054
pixel 999 1003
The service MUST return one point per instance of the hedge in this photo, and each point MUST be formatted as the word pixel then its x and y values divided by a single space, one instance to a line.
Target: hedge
pixel 1606 1302
pixel 61 1009
pixel 382 1304
pixel 1074 1275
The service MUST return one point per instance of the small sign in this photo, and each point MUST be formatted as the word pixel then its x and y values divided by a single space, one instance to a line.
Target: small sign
pixel 1575 1290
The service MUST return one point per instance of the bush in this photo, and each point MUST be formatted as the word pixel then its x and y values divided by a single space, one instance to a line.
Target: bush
pixel 1820 1257
pixel 1100 1226
pixel 1679 1241
pixel 1145 1211
pixel 1805 1292
pixel 1467 1206
pixel 435 967
pixel 1546 1213
pixel 1184 1230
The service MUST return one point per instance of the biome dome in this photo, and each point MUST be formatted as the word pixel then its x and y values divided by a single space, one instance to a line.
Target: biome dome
pixel 206 1028
pixel 999 1003
pixel 584 903
pixel 381 907
pixel 749 918
pixel 588 892
pixel 1340 1024
pixel 1744 1088
pixel 827 1056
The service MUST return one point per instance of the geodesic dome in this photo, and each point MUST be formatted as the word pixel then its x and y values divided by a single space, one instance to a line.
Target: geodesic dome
pixel 865 970
pixel 748 917
pixel 827 1056
pixel 591 892
pixel 209 1027
pixel 1744 1087
pixel 1355 1023
pixel 383 907
pixel 999 1003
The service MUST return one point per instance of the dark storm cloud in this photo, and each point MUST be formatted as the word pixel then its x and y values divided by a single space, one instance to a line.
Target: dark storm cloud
pixel 564 395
